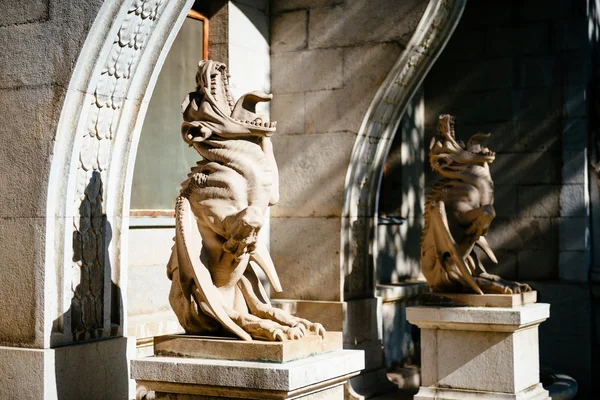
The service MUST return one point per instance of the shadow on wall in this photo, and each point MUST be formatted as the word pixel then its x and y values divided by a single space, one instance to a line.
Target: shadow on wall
pixel 100 367
pixel 327 73
pixel 401 200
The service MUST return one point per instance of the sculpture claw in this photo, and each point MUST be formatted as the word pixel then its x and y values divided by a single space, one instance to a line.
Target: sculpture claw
pixel 278 335
pixel 302 327
pixel 296 332
pixel 318 329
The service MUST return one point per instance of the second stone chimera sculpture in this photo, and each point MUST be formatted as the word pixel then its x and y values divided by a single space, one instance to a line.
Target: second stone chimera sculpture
pixel 219 213
pixel 458 214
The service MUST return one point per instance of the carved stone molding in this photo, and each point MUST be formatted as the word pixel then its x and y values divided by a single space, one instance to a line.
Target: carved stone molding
pixel 374 139
pixel 95 145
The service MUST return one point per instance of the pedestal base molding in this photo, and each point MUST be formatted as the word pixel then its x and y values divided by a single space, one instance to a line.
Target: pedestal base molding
pixel 313 378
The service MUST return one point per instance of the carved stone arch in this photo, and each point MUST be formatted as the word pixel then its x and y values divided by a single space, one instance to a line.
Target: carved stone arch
pixel 363 178
pixel 92 167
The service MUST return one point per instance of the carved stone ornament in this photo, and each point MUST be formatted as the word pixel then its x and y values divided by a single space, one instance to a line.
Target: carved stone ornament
pixel 458 214
pixel 219 213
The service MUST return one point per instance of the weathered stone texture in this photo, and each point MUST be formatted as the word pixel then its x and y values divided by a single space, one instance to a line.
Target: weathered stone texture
pixel 523 233
pixel 36 54
pixel 22 273
pixel 289 112
pixel 287 5
pixel 328 28
pixel 302 250
pixel 526 169
pixel 18 12
pixel 290 32
pixel 505 201
pixel 28 119
pixel 365 68
pixel 539 201
pixel 507 266
pixel 571 263
pixel 19 368
pixel 572 201
pixel 574 167
pixel 537 265
pixel 570 237
pixel 321 69
pixel 314 178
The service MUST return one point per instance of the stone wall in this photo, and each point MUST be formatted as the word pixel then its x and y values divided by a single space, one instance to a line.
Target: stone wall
pixel 521 70
pixel 328 58
pixel 40 43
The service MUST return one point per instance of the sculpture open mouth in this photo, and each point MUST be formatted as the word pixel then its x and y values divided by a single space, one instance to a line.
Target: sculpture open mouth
pixel 474 146
pixel 212 80
pixel 447 133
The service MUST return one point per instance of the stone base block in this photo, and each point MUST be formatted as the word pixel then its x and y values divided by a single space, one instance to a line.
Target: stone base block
pixel 96 370
pixel 317 377
pixel 336 392
pixel 233 349
pixel 535 392
pixel 473 350
pixel 478 300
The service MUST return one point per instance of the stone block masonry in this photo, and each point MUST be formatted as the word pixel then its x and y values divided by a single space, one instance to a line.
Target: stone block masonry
pixel 521 70
pixel 325 73
pixel 516 77
pixel 328 59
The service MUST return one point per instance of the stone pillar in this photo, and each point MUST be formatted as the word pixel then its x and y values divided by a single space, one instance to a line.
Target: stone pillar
pixel 480 352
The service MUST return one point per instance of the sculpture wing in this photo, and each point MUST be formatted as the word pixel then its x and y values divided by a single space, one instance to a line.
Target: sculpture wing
pixel 483 245
pixel 445 245
pixel 189 248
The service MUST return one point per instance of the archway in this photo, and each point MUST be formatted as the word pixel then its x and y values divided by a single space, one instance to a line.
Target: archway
pixel 91 172
pixel 374 139
pixel 363 179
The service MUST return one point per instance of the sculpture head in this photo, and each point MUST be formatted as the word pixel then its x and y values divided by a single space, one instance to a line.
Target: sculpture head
pixel 211 108
pixel 447 150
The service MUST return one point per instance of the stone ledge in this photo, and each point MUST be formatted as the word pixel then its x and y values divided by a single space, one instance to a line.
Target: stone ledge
pixel 478 318
pixel 535 392
pixel 181 391
pixel 478 300
pixel 286 377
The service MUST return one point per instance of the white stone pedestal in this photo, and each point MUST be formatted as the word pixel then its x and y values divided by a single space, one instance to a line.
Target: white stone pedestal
pixel 316 377
pixel 480 352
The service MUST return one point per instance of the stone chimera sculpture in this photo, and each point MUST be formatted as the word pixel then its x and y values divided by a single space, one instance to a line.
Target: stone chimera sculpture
pixel 219 213
pixel 458 214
